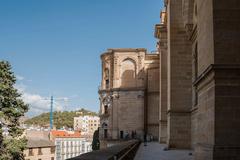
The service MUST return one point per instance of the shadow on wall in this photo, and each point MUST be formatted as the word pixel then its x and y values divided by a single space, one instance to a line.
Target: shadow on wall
pixel 128 79
pixel 128 73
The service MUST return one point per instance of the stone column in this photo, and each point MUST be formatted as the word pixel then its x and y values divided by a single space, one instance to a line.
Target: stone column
pixel 179 78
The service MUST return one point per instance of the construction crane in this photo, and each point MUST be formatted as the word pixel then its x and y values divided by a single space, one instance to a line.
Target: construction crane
pixel 51 114
pixel 51 109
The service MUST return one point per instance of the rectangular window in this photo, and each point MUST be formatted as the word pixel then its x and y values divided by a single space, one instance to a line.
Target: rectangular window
pixel 39 151
pixel 105 133
pixel 83 147
pixel 52 150
pixel 105 109
pixel 107 84
pixel 30 153
pixel 121 134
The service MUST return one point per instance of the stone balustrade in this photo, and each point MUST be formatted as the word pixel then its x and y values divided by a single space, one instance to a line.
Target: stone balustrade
pixel 123 151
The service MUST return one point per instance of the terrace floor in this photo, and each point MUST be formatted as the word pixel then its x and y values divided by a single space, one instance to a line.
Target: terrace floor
pixel 155 151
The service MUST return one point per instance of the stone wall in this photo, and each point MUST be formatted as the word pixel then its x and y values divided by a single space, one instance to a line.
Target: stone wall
pixel 132 96
pixel 226 31
pixel 179 78
pixel 130 112
pixel 153 102
pixel 203 34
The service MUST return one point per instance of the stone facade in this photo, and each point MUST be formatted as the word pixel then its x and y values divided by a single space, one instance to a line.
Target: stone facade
pixel 39 149
pixel 189 98
pixel 129 94
pixel 199 50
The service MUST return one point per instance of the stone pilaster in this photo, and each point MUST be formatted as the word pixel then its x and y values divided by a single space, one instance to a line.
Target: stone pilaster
pixel 163 84
pixel 161 34
pixel 179 78
pixel 218 82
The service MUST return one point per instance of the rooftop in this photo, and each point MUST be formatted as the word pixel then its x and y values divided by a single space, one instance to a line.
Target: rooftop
pixel 61 134
pixel 127 49
pixel 111 50
pixel 39 143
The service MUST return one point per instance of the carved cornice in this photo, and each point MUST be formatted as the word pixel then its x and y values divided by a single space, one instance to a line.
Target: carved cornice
pixel 122 89
pixel 105 54
pixel 110 51
pixel 152 57
pixel 127 50
pixel 213 67
pixel 159 28
pixel 178 112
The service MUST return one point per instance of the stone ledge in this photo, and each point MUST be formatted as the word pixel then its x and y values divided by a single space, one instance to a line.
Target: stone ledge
pixel 212 68
pixel 119 151
pixel 122 89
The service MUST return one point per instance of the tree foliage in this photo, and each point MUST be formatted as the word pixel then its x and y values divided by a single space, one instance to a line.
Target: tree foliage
pixel 96 142
pixel 11 109
pixel 60 119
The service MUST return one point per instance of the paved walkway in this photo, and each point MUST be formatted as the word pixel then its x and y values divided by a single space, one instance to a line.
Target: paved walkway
pixel 154 151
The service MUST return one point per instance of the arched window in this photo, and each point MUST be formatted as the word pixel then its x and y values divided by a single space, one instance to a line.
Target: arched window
pixel 128 73
pixel 107 77
pixel 105 109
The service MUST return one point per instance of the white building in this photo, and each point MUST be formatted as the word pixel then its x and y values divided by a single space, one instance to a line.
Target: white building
pixel 70 144
pixel 86 124
pixel 71 147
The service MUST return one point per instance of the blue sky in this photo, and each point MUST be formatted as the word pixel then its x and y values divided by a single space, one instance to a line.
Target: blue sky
pixel 54 45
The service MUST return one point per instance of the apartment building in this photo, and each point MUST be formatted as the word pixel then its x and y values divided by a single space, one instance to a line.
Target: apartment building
pixel 39 149
pixel 69 144
pixel 86 124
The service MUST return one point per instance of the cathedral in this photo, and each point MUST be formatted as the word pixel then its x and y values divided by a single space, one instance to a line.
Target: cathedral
pixel 129 93
pixel 187 94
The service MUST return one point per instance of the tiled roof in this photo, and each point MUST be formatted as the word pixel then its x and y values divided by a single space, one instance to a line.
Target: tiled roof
pixel 65 134
pixel 36 143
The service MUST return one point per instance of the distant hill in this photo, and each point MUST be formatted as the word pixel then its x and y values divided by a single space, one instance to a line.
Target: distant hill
pixel 60 119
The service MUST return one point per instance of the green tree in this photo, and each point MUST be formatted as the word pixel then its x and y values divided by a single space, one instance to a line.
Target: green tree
pixel 11 109
pixel 96 142
pixel 60 119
